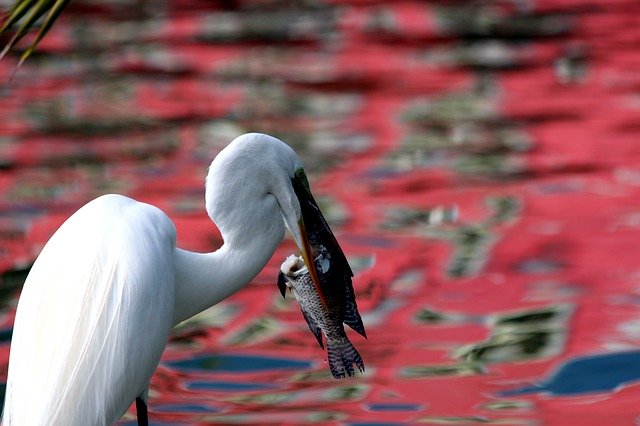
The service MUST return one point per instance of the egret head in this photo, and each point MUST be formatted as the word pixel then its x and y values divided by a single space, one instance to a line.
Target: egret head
pixel 258 179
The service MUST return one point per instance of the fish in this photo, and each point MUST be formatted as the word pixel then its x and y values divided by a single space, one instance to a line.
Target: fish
pixel 326 318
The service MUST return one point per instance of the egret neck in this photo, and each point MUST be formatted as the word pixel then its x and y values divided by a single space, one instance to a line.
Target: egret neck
pixel 204 279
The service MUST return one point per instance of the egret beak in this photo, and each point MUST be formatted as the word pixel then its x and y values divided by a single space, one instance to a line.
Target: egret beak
pixel 311 230
pixel 309 259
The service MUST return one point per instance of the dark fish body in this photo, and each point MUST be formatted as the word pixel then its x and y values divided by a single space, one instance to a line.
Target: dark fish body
pixel 336 280
pixel 329 318
pixel 325 293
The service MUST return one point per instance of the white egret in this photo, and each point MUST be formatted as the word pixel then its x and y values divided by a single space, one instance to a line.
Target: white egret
pixel 99 302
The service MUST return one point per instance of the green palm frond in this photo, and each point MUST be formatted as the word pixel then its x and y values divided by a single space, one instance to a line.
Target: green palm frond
pixel 26 13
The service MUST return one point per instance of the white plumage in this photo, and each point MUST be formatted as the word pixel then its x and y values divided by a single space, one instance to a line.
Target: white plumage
pixel 94 315
pixel 100 300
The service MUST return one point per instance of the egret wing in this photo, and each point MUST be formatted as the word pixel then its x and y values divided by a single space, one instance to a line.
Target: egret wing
pixel 93 317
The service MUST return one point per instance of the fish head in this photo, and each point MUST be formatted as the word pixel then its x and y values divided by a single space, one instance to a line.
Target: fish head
pixel 292 267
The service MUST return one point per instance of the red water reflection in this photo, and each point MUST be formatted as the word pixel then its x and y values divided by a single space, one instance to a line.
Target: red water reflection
pixel 477 160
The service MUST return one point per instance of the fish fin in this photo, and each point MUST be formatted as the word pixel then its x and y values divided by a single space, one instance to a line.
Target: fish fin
pixel 342 356
pixel 353 320
pixel 314 327
pixel 351 315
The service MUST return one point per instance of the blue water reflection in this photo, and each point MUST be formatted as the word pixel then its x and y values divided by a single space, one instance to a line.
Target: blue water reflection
pixel 237 363
pixel 224 386
pixel 588 374
pixel 185 408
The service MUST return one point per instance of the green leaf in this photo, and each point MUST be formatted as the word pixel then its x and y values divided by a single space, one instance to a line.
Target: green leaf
pixel 17 11
pixel 55 11
pixel 28 12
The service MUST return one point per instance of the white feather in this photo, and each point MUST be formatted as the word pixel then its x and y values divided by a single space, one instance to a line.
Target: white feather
pixel 94 314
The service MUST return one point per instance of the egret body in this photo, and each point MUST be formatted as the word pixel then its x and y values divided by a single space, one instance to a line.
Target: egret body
pixel 100 300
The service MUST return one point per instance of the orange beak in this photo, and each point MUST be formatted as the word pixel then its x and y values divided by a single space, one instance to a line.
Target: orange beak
pixel 309 260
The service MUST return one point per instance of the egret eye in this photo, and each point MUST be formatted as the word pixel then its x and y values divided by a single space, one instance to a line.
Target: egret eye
pixel 301 177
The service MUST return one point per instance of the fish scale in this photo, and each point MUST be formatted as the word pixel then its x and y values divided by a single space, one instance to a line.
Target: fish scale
pixel 327 320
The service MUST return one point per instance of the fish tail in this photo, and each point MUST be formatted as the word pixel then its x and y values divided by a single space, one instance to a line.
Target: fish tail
pixel 342 356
